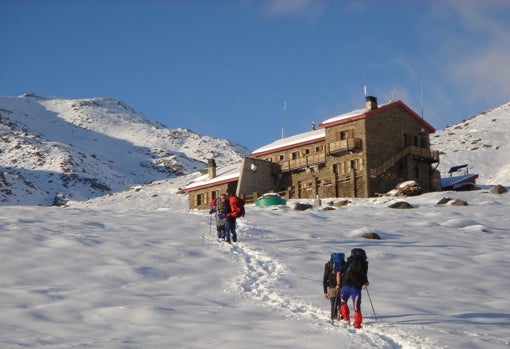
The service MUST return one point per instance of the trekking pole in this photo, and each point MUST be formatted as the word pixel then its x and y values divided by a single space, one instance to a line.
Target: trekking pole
pixel 370 299
pixel 210 223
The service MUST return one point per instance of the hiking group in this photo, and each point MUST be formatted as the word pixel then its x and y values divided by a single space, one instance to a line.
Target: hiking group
pixel 343 280
pixel 227 209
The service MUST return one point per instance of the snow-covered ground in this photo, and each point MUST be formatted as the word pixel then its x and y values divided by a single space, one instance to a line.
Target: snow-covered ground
pixel 138 270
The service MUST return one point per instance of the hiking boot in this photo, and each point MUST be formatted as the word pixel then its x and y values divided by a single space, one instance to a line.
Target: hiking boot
pixel 227 241
pixel 234 237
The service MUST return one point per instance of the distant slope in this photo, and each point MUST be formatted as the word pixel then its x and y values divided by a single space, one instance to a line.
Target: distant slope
pixel 59 149
pixel 482 142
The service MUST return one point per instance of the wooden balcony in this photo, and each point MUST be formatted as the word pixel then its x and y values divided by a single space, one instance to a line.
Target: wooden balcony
pixel 343 146
pixel 304 162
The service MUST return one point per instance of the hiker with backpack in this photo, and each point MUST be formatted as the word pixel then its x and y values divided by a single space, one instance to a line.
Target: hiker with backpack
pixel 331 282
pixel 236 209
pixel 353 280
pixel 221 207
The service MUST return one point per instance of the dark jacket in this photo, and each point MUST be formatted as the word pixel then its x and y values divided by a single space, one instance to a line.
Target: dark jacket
pixel 329 278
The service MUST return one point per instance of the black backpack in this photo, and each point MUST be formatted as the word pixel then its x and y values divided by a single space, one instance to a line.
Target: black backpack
pixel 358 261
pixel 357 268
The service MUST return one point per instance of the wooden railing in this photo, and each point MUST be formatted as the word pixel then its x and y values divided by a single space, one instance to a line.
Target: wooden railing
pixel 430 155
pixel 344 145
pixel 307 161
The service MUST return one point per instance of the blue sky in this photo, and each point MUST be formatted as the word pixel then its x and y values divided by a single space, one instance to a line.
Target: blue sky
pixel 226 68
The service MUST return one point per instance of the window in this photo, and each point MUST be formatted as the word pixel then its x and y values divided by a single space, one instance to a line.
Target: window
pixel 295 155
pixel 319 148
pixel 200 199
pixel 282 157
pixel 344 135
pixel 214 194
pixel 354 164
pixel 306 151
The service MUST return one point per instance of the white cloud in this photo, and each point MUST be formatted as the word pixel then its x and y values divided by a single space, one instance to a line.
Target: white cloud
pixel 486 73
pixel 483 51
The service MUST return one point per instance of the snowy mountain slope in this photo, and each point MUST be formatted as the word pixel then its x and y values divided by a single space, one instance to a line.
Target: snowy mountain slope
pixel 67 148
pixel 53 150
pixel 112 272
pixel 482 142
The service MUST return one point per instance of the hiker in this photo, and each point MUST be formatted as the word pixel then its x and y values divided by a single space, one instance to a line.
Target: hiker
pixel 236 206
pixel 331 282
pixel 353 280
pixel 221 207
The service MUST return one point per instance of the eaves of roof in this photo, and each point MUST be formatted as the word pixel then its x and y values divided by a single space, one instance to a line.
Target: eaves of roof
pixel 301 139
pixel 226 174
pixel 207 184
pixel 353 116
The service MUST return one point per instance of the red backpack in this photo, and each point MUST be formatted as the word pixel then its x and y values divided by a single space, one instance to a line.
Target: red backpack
pixel 236 206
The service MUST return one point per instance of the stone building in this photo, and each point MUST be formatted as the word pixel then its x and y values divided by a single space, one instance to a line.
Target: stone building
pixel 362 153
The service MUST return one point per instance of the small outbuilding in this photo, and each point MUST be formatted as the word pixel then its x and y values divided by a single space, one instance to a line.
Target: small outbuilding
pixel 462 181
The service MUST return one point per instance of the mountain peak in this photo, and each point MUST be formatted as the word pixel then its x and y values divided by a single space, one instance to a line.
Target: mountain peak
pixel 82 148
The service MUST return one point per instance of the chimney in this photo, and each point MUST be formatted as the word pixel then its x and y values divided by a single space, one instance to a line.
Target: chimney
pixel 371 102
pixel 211 168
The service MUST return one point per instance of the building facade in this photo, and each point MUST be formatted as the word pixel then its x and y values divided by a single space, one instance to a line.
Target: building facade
pixel 363 153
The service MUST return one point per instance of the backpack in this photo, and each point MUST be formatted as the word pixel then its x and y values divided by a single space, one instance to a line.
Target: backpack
pixel 237 205
pixel 357 268
pixel 338 261
pixel 358 261
pixel 335 265
pixel 241 207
